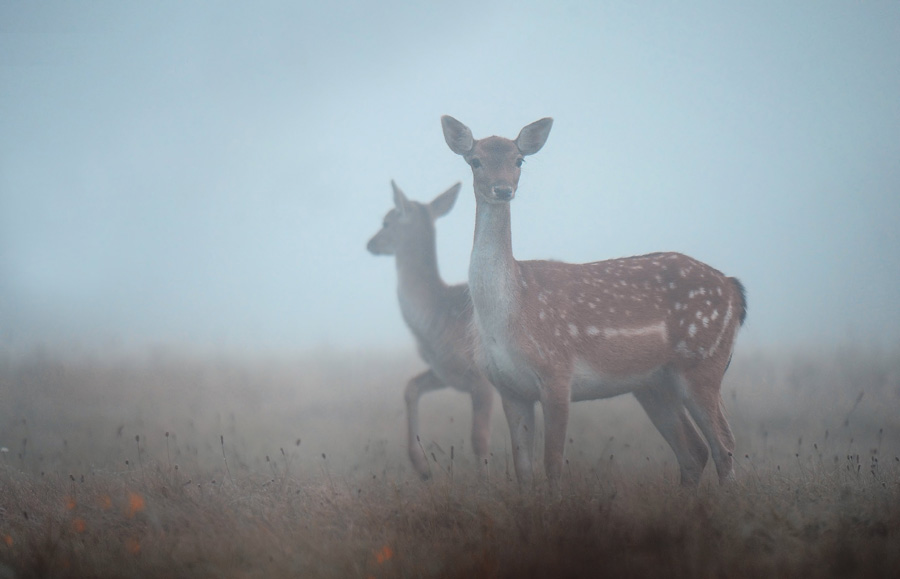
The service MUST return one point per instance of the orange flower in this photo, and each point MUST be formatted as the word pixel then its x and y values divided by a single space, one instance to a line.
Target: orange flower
pixel 135 504
pixel 78 525
pixel 70 503
pixel 133 546
pixel 105 502
pixel 8 540
pixel 384 554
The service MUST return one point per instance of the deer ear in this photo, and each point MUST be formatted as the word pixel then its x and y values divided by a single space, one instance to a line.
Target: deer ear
pixel 443 203
pixel 533 137
pixel 458 136
pixel 400 200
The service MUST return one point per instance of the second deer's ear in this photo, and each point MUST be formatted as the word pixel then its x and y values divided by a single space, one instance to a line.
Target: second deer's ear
pixel 400 200
pixel 443 203
pixel 533 137
pixel 458 136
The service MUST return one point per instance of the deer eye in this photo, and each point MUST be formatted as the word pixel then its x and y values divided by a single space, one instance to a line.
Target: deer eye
pixel 519 161
pixel 475 163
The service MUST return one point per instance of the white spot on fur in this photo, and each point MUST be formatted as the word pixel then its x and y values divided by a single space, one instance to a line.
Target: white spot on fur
pixel 692 330
pixel 658 329
pixel 725 320
pixel 592 331
pixel 573 330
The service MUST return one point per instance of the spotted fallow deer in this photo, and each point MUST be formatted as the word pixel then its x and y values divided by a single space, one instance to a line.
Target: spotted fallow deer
pixel 438 315
pixel 661 326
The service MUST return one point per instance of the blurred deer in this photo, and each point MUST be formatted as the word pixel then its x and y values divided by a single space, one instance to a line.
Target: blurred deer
pixel 661 326
pixel 438 315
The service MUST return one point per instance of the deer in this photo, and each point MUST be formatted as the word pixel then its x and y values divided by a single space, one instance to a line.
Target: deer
pixel 660 326
pixel 439 317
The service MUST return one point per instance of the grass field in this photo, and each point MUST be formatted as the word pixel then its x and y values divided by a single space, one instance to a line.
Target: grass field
pixel 175 465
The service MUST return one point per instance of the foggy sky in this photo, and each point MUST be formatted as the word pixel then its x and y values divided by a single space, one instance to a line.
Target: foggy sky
pixel 209 174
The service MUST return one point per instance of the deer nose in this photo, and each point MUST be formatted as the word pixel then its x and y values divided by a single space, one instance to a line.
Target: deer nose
pixel 373 247
pixel 502 192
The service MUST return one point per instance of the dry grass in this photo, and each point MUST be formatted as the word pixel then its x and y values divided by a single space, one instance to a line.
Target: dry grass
pixel 168 465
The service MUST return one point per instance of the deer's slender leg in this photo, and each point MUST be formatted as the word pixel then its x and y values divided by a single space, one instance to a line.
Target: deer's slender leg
pixel 555 403
pixel 702 397
pixel 482 403
pixel 424 382
pixel 665 409
pixel 520 417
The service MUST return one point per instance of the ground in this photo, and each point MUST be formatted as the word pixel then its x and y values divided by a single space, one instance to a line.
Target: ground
pixel 167 464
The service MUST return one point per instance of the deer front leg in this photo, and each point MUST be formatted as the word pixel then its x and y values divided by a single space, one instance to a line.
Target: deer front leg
pixel 555 401
pixel 424 382
pixel 482 402
pixel 520 417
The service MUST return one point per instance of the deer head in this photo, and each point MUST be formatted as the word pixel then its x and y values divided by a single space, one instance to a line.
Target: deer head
pixel 496 162
pixel 410 222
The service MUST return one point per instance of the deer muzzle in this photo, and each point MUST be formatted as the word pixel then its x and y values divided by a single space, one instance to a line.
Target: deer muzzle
pixel 502 192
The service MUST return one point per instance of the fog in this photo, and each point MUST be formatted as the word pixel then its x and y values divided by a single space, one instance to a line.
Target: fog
pixel 207 175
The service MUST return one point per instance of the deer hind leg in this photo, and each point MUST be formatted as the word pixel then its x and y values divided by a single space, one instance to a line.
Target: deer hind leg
pixel 663 405
pixel 424 382
pixel 520 417
pixel 482 402
pixel 703 399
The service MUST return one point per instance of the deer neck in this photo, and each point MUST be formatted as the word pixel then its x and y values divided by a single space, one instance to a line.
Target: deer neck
pixel 493 271
pixel 419 286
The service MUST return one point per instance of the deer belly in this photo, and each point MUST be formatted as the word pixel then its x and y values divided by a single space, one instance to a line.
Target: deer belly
pixel 589 383
pixel 454 369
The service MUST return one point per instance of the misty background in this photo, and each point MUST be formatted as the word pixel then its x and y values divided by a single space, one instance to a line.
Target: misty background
pixel 207 174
